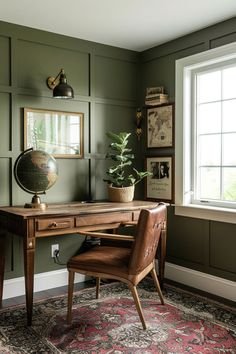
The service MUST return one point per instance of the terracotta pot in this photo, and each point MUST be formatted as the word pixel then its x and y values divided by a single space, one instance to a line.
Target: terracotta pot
pixel 122 194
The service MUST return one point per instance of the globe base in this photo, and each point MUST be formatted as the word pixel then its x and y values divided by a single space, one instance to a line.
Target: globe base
pixel 36 203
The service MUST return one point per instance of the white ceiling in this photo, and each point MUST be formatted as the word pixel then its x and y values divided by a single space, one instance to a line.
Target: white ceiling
pixel 131 24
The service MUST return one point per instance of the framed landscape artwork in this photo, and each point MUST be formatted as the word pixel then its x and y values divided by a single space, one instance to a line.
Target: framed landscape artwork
pixel 56 132
pixel 160 125
pixel 159 186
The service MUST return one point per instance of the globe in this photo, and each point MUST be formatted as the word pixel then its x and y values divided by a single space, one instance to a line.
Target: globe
pixel 35 172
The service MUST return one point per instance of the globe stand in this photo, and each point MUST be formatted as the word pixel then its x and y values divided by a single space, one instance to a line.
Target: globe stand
pixel 36 203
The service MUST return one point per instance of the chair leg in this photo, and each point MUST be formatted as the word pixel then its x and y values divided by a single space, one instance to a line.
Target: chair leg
pixel 155 279
pixel 70 296
pixel 134 292
pixel 97 287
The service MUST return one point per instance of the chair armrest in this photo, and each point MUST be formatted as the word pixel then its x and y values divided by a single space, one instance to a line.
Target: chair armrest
pixel 109 236
pixel 129 223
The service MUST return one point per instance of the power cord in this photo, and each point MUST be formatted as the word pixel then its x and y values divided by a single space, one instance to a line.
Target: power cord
pixel 56 258
pixel 88 243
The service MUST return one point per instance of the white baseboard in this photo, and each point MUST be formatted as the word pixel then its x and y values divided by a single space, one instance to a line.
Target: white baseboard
pixel 202 281
pixel 206 282
pixel 43 281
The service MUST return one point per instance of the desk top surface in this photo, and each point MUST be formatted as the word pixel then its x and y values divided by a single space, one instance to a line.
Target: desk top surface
pixel 77 208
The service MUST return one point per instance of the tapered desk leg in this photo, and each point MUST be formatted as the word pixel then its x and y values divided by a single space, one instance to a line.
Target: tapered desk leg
pixel 29 250
pixel 2 263
pixel 162 257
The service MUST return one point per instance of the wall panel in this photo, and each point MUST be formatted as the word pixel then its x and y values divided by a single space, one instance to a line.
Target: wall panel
pixel 223 246
pixel 108 117
pixel 5 122
pixel 36 62
pixel 160 71
pixel 115 78
pixel 5 61
pixel 5 176
pixel 187 239
pixel 226 39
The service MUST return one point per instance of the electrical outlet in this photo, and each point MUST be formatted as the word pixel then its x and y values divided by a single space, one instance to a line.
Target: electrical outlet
pixel 53 249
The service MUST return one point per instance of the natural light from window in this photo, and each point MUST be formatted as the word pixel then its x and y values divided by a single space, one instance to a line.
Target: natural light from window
pixel 215 134
pixel 206 133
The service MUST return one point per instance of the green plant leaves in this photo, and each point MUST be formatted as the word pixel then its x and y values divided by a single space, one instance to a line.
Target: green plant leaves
pixel 119 173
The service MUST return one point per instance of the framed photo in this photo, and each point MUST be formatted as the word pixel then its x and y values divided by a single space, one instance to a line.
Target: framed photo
pixel 160 126
pixel 56 132
pixel 160 185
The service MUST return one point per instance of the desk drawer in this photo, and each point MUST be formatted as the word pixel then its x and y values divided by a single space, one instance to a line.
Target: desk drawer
pixel 105 218
pixel 54 224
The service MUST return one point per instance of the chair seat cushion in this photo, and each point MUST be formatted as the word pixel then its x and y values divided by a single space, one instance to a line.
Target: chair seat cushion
pixel 102 259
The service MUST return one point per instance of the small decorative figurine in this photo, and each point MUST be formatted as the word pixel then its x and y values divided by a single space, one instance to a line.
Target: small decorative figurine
pixel 138 122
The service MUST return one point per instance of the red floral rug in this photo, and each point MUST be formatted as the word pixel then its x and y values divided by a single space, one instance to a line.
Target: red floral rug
pixel 185 324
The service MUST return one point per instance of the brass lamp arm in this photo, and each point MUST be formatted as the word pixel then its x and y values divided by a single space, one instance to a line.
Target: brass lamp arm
pixel 53 81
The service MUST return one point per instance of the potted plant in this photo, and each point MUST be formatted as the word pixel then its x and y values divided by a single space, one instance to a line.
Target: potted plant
pixel 122 177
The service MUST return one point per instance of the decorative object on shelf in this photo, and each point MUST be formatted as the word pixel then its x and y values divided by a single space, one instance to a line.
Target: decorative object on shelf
pixel 155 96
pixel 121 174
pixel 35 172
pixel 160 126
pixel 56 132
pixel 159 186
pixel 59 86
pixel 138 123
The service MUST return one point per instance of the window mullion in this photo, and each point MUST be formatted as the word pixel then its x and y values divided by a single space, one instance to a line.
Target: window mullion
pixel 221 134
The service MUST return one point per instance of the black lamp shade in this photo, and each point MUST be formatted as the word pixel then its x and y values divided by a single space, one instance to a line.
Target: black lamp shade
pixel 63 90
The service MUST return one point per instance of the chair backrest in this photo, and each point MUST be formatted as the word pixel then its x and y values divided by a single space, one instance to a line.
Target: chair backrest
pixel 150 225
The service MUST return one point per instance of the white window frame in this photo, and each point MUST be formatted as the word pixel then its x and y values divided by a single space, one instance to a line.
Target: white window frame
pixel 183 139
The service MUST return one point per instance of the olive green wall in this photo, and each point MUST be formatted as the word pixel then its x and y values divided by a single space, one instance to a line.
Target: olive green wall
pixel 207 246
pixel 105 81
pixel 107 88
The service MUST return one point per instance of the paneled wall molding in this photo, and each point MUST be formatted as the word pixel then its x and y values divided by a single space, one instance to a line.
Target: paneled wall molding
pixel 193 243
pixel 105 81
pixel 223 39
pixel 80 98
pixel 109 84
pixel 19 32
pixel 167 51
pixel 223 29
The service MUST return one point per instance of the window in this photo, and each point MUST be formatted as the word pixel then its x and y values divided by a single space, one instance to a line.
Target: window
pixel 206 134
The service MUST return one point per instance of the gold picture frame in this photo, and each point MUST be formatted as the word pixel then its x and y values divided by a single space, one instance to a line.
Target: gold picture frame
pixel 59 133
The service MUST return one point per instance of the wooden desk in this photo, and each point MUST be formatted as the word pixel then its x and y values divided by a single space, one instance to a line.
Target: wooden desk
pixel 63 219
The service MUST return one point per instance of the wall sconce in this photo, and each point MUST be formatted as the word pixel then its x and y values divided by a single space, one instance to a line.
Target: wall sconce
pixel 59 86
pixel 138 122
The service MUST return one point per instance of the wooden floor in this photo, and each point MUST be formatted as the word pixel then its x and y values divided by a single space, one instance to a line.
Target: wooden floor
pixel 88 284
pixel 46 294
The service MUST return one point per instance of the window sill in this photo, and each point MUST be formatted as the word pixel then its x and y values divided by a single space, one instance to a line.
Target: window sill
pixel 207 213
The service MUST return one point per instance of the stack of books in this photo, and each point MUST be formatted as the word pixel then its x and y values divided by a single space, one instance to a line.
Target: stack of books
pixel 155 96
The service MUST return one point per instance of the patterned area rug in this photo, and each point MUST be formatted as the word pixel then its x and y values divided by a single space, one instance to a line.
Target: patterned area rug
pixel 185 324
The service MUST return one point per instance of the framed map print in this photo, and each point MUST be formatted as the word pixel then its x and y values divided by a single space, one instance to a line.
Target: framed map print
pixel 160 126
